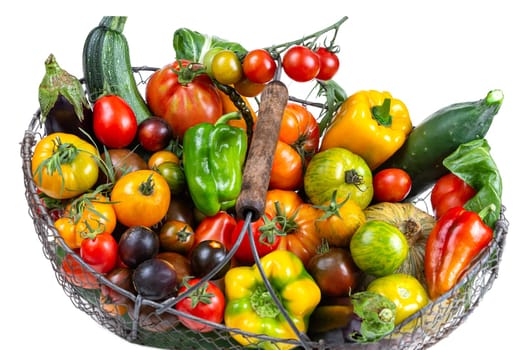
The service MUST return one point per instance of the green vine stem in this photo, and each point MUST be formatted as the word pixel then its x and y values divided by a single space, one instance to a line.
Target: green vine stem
pixel 309 40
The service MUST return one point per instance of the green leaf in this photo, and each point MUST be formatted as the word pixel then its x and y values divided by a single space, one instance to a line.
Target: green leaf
pixel 473 163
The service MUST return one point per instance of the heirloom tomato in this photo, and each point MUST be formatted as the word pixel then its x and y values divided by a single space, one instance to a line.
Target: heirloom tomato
pixel 297 220
pixel 114 122
pixel 338 221
pixel 65 227
pixel 176 236
pixel 404 290
pixel 259 66
pixel 92 213
pixel 338 169
pixel 154 133
pixel 141 198
pixel 378 248
pixel 300 63
pixel 247 88
pixel 205 302
pixel 298 142
pixel 335 272
pixel 64 166
pixel 123 161
pixel 206 256
pixel 184 95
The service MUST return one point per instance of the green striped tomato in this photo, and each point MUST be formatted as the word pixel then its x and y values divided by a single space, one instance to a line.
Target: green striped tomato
pixel 378 248
pixel 338 169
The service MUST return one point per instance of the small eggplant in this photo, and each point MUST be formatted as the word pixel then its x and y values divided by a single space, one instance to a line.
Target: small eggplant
pixel 63 103
pixel 373 318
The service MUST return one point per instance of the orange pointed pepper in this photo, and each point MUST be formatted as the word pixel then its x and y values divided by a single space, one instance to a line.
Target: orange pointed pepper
pixel 456 239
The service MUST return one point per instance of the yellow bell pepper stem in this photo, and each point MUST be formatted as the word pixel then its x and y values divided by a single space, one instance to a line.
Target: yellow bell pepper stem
pixel 371 124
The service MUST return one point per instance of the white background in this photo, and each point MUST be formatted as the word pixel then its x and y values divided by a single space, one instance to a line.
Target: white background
pixel 429 54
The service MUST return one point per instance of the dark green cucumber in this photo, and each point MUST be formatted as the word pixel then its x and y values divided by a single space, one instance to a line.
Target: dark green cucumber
pixel 107 65
pixel 441 134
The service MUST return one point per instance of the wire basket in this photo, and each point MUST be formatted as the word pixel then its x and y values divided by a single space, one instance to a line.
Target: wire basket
pixel 156 324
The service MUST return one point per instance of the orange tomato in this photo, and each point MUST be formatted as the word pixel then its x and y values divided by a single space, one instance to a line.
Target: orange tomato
pixel 300 131
pixel 162 156
pixel 297 220
pixel 229 106
pixel 141 197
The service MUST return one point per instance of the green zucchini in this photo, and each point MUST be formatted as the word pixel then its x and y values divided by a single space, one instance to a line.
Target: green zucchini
pixel 107 66
pixel 439 135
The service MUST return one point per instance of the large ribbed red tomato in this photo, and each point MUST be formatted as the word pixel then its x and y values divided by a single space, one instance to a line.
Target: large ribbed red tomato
pixel 183 94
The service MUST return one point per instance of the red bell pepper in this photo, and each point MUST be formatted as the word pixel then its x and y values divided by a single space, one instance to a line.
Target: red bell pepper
pixel 217 227
pixel 448 192
pixel 456 239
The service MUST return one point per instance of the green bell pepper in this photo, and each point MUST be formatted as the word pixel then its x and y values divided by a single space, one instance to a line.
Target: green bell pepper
pixel 213 158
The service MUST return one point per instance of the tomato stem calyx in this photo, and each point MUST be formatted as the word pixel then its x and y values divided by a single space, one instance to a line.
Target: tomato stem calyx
pixel 147 187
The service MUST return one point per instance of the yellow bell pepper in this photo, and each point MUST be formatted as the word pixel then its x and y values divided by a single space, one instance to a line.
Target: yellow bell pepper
pixel 371 124
pixel 250 307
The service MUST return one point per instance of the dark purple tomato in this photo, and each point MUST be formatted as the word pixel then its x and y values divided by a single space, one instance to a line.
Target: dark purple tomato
pixel 154 134
pixel 335 272
pixel 155 279
pixel 138 244
pixel 206 255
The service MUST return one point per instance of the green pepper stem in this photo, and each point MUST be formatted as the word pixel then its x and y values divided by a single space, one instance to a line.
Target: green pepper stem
pixel 487 210
pixel 382 113
pixel 263 304
pixel 227 117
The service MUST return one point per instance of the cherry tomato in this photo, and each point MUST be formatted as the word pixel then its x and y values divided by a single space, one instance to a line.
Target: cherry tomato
pixel 124 161
pixel 391 185
pixel 154 134
pixel 206 302
pixel 300 63
pixel 159 157
pixel 174 176
pixel 448 192
pixel 176 236
pixel 114 122
pixel 100 252
pixel 328 63
pixel 259 66
pixel 155 279
pixel 226 67
pixel 206 255
pixel 246 87
pixel 137 244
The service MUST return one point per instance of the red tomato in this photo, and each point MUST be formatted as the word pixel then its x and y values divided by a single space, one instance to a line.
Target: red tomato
pixel 183 102
pixel 266 234
pixel 329 63
pixel 217 228
pixel 300 63
pixel 259 66
pixel 100 252
pixel 448 192
pixel 298 142
pixel 76 274
pixel 391 185
pixel 114 122
pixel 206 302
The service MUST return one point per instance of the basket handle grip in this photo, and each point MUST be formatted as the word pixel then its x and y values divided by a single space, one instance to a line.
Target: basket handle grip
pixel 258 165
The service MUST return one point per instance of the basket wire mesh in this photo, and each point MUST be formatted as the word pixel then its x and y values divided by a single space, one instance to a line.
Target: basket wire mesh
pixel 157 324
